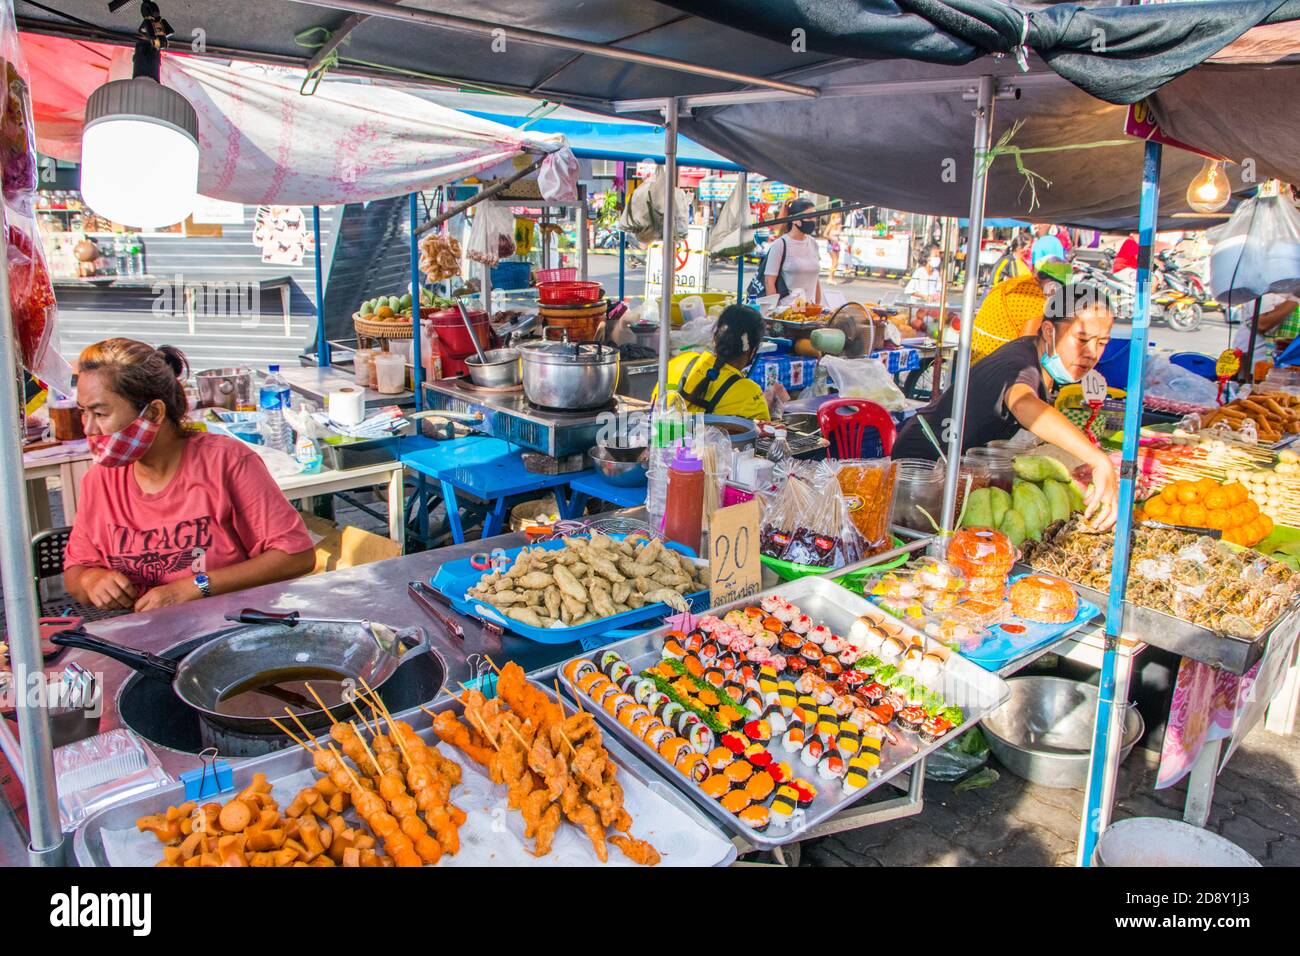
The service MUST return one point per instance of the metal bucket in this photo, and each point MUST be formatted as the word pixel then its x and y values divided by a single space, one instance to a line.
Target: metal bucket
pixel 1152 841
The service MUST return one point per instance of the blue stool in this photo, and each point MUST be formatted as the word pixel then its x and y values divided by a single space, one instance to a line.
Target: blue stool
pixel 491 470
pixel 592 484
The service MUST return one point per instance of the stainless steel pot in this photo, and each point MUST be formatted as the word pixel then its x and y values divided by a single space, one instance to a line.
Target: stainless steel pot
pixel 569 376
pixel 224 387
pixel 500 370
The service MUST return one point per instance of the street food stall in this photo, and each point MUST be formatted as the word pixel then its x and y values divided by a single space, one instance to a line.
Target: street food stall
pixel 572 676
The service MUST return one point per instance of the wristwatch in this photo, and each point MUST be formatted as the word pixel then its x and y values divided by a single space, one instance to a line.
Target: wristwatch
pixel 204 584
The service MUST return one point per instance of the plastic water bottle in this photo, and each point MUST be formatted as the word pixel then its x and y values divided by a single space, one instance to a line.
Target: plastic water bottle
pixel 272 400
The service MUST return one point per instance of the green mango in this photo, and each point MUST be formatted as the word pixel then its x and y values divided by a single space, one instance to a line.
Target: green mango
pixel 1075 492
pixel 367 308
pixel 1038 468
pixel 1014 527
pixel 395 303
pixel 1030 501
pixel 1000 504
pixel 405 301
pixel 978 513
pixel 1058 500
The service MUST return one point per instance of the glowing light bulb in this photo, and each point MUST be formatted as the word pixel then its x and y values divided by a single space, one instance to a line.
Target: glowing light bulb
pixel 1209 190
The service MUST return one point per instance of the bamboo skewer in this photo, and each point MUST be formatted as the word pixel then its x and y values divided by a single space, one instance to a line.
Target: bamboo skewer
pixel 365 723
pixel 312 691
pixel 290 734
pixel 344 764
pixel 303 727
pixel 482 725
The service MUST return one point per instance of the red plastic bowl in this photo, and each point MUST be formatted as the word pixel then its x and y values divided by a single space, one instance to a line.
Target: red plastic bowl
pixel 569 293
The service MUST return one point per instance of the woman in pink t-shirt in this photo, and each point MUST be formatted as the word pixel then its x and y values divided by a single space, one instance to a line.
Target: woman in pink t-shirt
pixel 169 515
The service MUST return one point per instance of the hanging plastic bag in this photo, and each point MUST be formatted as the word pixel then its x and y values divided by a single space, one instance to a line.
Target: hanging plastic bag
pixel 1165 380
pixel 557 180
pixel 491 234
pixel 865 378
pixel 1256 251
pixel 34 313
pixel 643 215
pixel 728 237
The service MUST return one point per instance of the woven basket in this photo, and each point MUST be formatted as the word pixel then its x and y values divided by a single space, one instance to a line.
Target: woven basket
pixel 372 329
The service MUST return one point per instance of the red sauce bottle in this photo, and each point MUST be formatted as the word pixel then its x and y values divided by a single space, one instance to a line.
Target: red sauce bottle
pixel 684 512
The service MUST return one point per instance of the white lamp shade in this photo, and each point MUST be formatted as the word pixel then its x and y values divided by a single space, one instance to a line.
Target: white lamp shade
pixel 139 154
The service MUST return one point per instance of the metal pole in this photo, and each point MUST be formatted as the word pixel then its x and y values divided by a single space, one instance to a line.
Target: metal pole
pixel 322 345
pixel 417 371
pixel 743 185
pixel 22 616
pixel 949 237
pixel 1104 760
pixel 961 368
pixel 1247 371
pixel 622 238
pixel 583 225
pixel 443 215
pixel 670 244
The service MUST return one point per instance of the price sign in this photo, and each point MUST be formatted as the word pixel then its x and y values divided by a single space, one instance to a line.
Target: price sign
pixel 1228 365
pixel 1094 388
pixel 734 567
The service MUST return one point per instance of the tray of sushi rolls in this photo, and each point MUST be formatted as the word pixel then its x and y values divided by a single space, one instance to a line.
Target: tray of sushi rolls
pixel 776 712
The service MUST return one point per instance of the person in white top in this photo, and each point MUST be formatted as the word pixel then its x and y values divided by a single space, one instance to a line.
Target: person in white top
pixel 927 278
pixel 795 258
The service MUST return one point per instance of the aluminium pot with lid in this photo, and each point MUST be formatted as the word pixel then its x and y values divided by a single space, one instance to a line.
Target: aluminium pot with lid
pixel 569 376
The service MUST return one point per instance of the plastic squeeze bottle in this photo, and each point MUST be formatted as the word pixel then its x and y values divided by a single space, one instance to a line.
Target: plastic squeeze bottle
pixel 684 514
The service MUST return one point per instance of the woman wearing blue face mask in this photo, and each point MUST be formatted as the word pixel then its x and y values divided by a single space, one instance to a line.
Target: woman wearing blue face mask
pixel 1013 388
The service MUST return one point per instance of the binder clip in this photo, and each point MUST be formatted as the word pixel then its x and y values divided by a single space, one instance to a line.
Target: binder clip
pixel 214 777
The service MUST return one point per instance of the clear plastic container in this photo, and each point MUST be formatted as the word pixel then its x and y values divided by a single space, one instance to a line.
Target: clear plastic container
pixel 390 373
pixel 1044 599
pixel 363 368
pixel 918 491
pixel 985 556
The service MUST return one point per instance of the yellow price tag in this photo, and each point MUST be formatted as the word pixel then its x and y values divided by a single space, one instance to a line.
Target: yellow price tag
pixel 1228 365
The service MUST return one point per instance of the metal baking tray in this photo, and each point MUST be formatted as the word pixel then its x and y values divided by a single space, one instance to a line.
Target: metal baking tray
pixel 967 685
pixel 1148 626
pixel 89 849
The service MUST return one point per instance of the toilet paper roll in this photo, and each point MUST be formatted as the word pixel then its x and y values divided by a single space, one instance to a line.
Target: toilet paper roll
pixel 347 406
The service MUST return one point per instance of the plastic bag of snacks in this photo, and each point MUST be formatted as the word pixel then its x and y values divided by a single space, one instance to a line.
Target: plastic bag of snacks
pixel 824 535
pixel 439 257
pixel 491 235
pixel 31 293
pixel 782 514
pixel 868 490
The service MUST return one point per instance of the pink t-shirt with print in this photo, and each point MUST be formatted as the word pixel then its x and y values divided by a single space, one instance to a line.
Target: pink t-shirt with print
pixel 220 508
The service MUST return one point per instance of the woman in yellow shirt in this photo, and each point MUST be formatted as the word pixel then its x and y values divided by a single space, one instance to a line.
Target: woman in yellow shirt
pixel 713 381
pixel 1014 307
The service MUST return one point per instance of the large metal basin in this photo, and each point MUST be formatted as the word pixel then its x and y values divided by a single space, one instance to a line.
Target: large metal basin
pixel 1043 733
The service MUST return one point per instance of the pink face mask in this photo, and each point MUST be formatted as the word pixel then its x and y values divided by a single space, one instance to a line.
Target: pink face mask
pixel 123 447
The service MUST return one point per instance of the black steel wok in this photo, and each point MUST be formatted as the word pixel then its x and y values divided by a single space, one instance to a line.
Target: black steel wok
pixel 236 657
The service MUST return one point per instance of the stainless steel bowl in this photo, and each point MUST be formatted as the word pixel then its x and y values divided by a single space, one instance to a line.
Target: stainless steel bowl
pixel 625 474
pixel 501 370
pixel 569 376
pixel 1043 733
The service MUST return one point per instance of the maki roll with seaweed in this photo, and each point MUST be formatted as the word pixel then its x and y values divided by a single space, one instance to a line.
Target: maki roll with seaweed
pixel 693 641
pixel 736 743
pixel 793 739
pixel 716 786
pixel 686 720
pixel 759 787
pixel 759 756
pixel 911 717
pixel 607 660
pixel 775 718
pixel 795 664
pixel 735 801
pixel 805 792
pixel 700 737
pixel 670 712
pixel 812 752
pixel 758 730
pixel 784 806
pixel 738 771
pixel 874 692
pixel 831 765
pixel 672 649
pixel 935 727
pixel 756 817
pixel 715 677
pixel 719 758
pixel 780 772
pixel 644 690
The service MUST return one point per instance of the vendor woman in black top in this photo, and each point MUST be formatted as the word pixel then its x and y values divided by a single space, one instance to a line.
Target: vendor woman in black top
pixel 1012 388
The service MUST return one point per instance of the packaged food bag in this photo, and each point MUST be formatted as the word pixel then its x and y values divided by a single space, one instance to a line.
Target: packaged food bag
pixel 825 536
pixel 782 515
pixel 867 486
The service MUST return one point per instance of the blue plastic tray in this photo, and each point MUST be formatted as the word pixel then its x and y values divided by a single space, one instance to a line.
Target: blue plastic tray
pixel 1002 648
pixel 455 578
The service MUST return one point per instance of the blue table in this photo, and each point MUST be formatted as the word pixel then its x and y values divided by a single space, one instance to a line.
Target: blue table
pixel 489 469
pixel 592 484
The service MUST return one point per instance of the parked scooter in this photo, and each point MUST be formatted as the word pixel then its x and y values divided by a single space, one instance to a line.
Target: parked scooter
pixel 1171 302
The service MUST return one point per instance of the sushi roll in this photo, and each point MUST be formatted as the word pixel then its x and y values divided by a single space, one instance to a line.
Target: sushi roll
pixel 692 766
pixel 819 634
pixel 774 624
pixel 734 742
pixel 619 671
pixel 716 786
pixel 810 652
pixel 768 605
pixel 874 692
pixel 831 667
pixel 812 752
pixel 795 664
pixel 701 738
pixel 849 739
pixel 644 690
pixel 873 738
pixel 935 727
pixel 759 787
pixel 756 817
pixel 575 670
pixel 784 806
pixel 735 801
pixel 801 624
pixel 686 720
pixel 693 642
pixel 853 679
pixel 733 688
pixel 848 657
pixel 786 613
pixel 672 748
pixel 780 772
pixel 790 642
pixel 738 771
pixel 831 766
pixel 753 703
pixel 731 716
pixel 759 756
pixel 643 725
pixel 608 659
pixel 734 617
pixel 590 680
pixel 793 739
pixel 610 696
pixel 694 666
pixel 758 730
pixel 719 758
pixel 758 655
pixel 856 777
pixel 827 727
pixel 767 679
pixel 786 694
pixel 883 712
pixel 834 644
pixel 911 717
pixel 766 640
pixel 808 702
pixel 670 712
pixel 709 651
pixel 805 792
pixel 775 718
pixel 656 737
pixel 627 684
pixel 672 649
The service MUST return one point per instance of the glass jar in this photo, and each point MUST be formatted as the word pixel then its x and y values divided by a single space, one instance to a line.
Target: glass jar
pixel 918 485
pixel 995 464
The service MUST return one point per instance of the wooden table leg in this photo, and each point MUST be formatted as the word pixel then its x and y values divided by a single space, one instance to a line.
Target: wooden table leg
pixel 1200 784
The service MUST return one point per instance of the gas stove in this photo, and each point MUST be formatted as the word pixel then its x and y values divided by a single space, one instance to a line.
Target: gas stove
pixel 508 415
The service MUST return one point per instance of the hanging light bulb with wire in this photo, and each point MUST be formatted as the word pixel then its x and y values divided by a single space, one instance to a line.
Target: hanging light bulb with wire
pixel 1209 190
pixel 140 144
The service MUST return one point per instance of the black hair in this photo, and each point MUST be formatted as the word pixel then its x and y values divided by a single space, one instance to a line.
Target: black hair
pixel 737 333
pixel 795 207
pixel 1065 302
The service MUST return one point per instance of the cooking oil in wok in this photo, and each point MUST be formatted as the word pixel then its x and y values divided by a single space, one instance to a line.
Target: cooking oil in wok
pixel 269 692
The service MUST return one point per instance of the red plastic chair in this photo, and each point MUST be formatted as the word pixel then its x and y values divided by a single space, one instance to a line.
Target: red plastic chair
pixel 844 421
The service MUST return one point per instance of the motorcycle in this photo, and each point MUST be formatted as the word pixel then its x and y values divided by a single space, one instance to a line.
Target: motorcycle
pixel 1173 300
